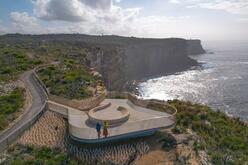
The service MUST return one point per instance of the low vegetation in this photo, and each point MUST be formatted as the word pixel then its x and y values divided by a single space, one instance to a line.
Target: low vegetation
pixel 225 139
pixel 60 50
pixel 13 62
pixel 27 155
pixel 161 108
pixel 69 80
pixel 9 105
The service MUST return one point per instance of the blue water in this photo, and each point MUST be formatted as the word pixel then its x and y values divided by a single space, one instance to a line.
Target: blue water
pixel 221 82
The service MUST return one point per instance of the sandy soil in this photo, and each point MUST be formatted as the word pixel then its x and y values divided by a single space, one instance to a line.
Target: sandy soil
pixel 48 131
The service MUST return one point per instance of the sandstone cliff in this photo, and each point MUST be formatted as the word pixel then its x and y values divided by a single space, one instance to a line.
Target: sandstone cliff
pixel 118 59
pixel 194 47
pixel 134 58
pixel 156 57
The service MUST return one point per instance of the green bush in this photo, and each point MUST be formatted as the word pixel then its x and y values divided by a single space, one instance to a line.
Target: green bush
pixel 69 82
pixel 27 155
pixel 226 139
pixel 14 62
pixel 9 104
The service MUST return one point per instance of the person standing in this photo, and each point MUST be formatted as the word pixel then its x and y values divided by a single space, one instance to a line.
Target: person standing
pixel 98 129
pixel 105 129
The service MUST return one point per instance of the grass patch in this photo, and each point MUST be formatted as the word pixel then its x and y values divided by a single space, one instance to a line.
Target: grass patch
pixel 69 80
pixel 225 139
pixel 9 105
pixel 161 108
pixel 28 155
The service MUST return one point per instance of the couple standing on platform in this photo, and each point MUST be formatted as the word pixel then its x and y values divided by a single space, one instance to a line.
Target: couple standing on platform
pixel 105 129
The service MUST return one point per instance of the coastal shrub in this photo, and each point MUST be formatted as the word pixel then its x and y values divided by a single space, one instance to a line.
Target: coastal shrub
pixel 160 108
pixel 13 62
pixel 28 155
pixel 224 138
pixel 71 82
pixel 9 104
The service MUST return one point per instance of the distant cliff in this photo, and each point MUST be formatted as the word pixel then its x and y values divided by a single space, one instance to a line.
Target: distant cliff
pixel 156 57
pixel 118 59
pixel 194 47
pixel 136 58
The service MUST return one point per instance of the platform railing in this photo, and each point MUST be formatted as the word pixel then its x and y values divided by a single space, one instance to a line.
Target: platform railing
pixel 142 102
pixel 7 141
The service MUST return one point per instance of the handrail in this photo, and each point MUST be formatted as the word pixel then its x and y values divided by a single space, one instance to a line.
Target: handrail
pixel 6 141
pixel 35 70
pixel 142 102
pixel 133 126
pixel 13 135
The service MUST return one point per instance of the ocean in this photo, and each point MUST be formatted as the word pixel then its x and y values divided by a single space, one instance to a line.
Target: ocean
pixel 221 81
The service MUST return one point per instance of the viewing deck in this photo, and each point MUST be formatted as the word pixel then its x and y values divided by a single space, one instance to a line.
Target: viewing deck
pixel 141 121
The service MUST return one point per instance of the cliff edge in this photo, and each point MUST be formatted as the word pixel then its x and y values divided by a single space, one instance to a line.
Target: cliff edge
pixel 118 59
pixel 194 47
pixel 130 58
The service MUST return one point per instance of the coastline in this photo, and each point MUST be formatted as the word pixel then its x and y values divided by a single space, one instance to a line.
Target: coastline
pixel 221 82
pixel 131 86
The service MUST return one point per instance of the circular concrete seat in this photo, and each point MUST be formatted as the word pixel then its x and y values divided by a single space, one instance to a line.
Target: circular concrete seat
pixel 106 113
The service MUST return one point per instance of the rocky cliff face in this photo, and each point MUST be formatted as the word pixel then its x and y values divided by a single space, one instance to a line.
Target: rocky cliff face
pixel 134 59
pixel 155 57
pixel 118 59
pixel 194 47
pixel 110 62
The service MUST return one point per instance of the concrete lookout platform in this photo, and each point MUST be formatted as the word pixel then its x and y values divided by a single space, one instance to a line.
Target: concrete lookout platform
pixel 106 112
pixel 126 122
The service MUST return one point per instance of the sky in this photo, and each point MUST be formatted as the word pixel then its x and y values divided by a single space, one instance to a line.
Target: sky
pixel 196 19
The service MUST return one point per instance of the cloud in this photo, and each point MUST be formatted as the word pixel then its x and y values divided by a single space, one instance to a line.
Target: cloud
pixel 231 6
pixel 23 22
pixel 66 10
pixel 174 1
pixel 81 10
pixel 161 26
pixel 119 22
pixel 234 7
pixel 86 16
pixel 99 4
pixel 243 20
pixel 75 16
pixel 108 17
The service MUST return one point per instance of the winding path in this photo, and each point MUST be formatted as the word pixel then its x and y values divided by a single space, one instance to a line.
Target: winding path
pixel 38 101
pixel 141 122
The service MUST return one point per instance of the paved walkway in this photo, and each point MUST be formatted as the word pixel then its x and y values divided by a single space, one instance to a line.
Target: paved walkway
pixel 38 99
pixel 140 120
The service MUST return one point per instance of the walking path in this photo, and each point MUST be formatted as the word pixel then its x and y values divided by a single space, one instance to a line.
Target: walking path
pixel 38 101
pixel 141 121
